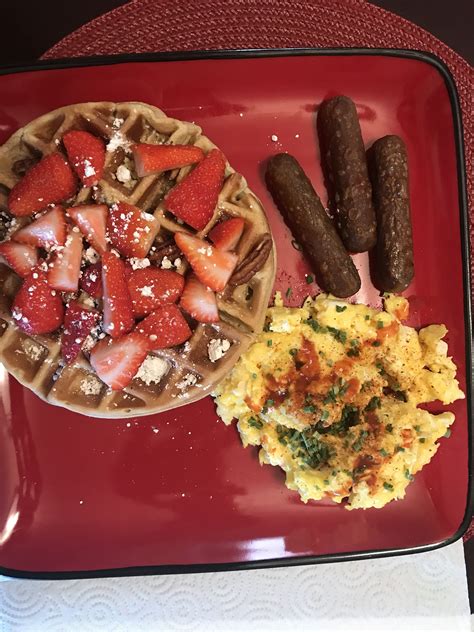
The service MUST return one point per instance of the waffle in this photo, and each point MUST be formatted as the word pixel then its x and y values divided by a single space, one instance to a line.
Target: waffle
pixel 189 373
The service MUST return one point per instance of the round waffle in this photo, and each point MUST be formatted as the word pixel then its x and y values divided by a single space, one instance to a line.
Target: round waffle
pixel 188 373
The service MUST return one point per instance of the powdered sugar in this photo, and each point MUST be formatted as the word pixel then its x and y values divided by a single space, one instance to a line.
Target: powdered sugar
pixel 217 348
pixel 188 380
pixel 146 290
pixel 88 168
pixel 123 174
pixel 90 385
pixel 118 140
pixel 152 370
pixel 138 264
pixel 32 350
pixel 90 255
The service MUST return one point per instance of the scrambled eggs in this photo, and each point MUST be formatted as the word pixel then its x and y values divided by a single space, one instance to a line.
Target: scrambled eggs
pixel 330 393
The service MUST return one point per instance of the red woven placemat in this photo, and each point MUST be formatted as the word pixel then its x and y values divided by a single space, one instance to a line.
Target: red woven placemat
pixel 160 25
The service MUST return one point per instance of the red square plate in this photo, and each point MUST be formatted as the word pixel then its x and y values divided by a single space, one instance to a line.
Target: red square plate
pixel 177 492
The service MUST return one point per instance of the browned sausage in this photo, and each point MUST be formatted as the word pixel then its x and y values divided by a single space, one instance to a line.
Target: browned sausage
pixel 311 226
pixel 344 162
pixel 393 255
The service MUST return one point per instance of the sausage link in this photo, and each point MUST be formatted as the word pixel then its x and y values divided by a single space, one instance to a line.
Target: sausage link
pixel 345 163
pixel 302 210
pixel 394 265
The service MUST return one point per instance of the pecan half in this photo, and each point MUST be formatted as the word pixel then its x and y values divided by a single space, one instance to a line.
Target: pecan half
pixel 168 249
pixel 253 262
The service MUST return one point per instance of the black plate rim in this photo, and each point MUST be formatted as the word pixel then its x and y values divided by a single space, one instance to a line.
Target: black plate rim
pixel 418 55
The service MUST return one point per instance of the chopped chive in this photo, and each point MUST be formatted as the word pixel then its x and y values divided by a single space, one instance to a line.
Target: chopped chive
pixel 408 475
pixel 389 428
pixel 357 445
pixel 376 343
pixel 383 452
pixel 338 334
pixel 254 376
pixel 319 329
pixel 288 292
pixel 373 404
pixel 326 482
pixel 388 487
pixel 341 308
pixel 399 448
pixel 255 423
pixel 293 352
pixel 309 279
pixel 417 428
pixel 309 409
pixel 447 434
pixel 422 440
pixel 367 317
pixel 380 324
pixel 269 343
pixel 324 415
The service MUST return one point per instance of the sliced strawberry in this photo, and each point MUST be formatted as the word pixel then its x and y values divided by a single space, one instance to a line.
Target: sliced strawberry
pixel 91 280
pixel 128 271
pixel 86 154
pixel 226 235
pixel 65 267
pixel 194 199
pixel 91 219
pixel 37 308
pixel 199 301
pixel 131 231
pixel 157 158
pixel 212 267
pixel 19 257
pixel 165 327
pixel 116 362
pixel 51 180
pixel 151 287
pixel 118 312
pixel 46 231
pixel 78 324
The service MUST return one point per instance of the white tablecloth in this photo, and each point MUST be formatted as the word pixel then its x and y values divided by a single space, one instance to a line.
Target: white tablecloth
pixel 416 593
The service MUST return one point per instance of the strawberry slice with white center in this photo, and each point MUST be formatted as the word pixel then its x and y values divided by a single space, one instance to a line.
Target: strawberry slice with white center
pixel 48 230
pixel 212 267
pixel 165 327
pixel 116 362
pixel 199 301
pixel 51 180
pixel 118 311
pixel 151 287
pixel 37 308
pixel 91 280
pixel 86 154
pixel 226 235
pixel 91 219
pixel 78 324
pixel 194 199
pixel 65 268
pixel 131 230
pixel 19 257
pixel 157 158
